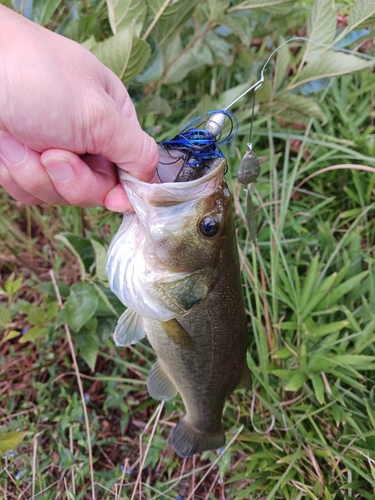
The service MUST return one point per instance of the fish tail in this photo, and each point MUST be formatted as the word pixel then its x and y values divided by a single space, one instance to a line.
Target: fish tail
pixel 186 440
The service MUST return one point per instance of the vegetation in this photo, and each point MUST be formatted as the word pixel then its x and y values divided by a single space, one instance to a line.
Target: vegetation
pixel 76 420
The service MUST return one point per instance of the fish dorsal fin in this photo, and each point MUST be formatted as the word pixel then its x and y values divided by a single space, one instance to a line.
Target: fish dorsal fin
pixel 177 333
pixel 129 329
pixel 159 385
pixel 245 380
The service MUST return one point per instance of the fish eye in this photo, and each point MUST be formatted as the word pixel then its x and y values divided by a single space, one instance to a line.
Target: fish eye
pixel 208 227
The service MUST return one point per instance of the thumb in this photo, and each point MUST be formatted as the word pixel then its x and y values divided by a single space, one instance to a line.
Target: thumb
pixel 120 138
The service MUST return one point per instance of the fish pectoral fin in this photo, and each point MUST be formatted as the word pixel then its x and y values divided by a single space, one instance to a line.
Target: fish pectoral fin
pixel 129 329
pixel 159 385
pixel 186 440
pixel 177 333
pixel 245 380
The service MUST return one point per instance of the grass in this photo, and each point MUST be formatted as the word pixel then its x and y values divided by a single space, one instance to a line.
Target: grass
pixel 307 430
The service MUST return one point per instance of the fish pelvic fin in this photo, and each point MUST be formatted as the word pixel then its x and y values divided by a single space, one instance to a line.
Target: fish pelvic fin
pixel 177 333
pixel 159 384
pixel 245 380
pixel 186 440
pixel 129 329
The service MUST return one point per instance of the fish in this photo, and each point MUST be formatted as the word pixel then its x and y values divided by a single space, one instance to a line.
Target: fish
pixel 174 264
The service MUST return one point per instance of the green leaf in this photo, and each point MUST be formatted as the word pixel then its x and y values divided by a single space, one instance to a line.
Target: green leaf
pixel 82 29
pixel 169 17
pixel 328 328
pixel 192 59
pixel 333 296
pixel 100 260
pixel 48 288
pixel 81 248
pixel 10 440
pixel 301 104
pixel 282 63
pixel 328 64
pixel 216 8
pixel 154 104
pixel 122 13
pixel 240 27
pixel 36 315
pixel 125 54
pixel 88 344
pixel 12 334
pixel 261 4
pixel 321 26
pixel 155 65
pixel 359 361
pixel 5 316
pixel 43 10
pixel 34 333
pixel 361 12
pixel 318 387
pixel 296 381
pixel 11 285
pixel 81 305
pixel 309 282
pixel 283 353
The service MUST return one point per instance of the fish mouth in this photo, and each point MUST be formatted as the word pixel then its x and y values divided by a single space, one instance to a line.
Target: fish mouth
pixel 173 193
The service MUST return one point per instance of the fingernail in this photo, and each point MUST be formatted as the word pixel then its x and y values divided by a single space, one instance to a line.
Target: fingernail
pixel 12 150
pixel 61 171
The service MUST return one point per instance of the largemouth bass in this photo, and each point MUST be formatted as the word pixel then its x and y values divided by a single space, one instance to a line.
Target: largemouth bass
pixel 174 264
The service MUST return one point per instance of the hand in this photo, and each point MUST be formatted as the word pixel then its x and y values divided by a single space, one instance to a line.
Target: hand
pixel 65 121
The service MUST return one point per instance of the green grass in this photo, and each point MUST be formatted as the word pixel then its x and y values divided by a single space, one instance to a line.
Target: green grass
pixel 307 430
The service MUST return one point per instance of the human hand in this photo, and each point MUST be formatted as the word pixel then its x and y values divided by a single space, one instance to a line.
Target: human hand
pixel 65 121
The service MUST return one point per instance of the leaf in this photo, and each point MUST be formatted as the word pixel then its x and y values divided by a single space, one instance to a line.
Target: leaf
pixel 43 10
pixel 240 26
pixel 328 64
pixel 216 8
pixel 318 387
pixel 322 330
pixel 256 4
pixel 88 344
pixel 155 65
pixel 81 248
pixel 12 334
pixel 296 381
pixel 122 13
pixel 303 105
pixel 48 288
pixel 360 361
pixel 10 440
pixel 33 334
pixel 5 316
pixel 361 12
pixel 100 260
pixel 154 104
pixel 190 60
pixel 309 282
pixel 81 305
pixel 333 296
pixel 321 26
pixel 170 17
pixel 11 285
pixel 125 54
pixel 282 62
pixel 36 315
pixel 82 29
